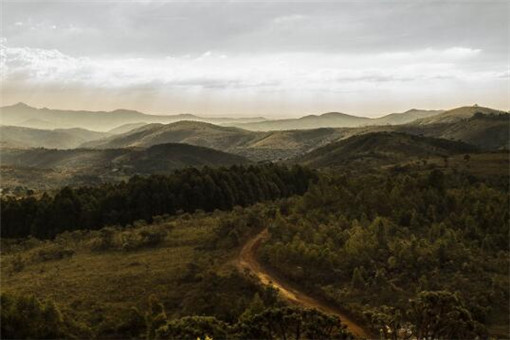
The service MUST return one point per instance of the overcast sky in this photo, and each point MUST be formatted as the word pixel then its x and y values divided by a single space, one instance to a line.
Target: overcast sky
pixel 275 59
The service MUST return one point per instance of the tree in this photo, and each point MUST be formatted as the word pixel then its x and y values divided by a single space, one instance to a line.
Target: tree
pixel 155 317
pixel 357 278
pixel 291 323
pixel 193 327
pixel 256 306
pixel 442 314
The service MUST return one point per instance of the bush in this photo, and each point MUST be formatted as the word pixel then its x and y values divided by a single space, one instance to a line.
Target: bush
pixel 105 240
pixel 26 317
pixel 151 238
pixel 193 327
pixel 54 252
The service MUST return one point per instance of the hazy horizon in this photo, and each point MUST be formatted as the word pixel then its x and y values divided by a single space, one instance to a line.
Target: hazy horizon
pixel 275 117
pixel 242 59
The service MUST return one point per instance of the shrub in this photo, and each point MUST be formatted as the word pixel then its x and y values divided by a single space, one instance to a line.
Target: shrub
pixel 193 327
pixel 26 317
pixel 152 238
pixel 105 240
pixel 54 252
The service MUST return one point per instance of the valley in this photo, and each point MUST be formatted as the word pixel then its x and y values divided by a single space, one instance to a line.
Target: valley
pixel 191 228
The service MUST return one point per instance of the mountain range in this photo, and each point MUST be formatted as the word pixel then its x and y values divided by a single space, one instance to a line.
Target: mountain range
pixel 49 158
pixel 482 127
pixel 337 119
pixel 26 116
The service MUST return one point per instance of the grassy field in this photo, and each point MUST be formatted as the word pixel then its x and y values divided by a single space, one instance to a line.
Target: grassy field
pixel 97 281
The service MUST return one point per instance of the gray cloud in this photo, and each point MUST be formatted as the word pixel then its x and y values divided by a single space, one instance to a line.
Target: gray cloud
pixel 149 28
pixel 383 50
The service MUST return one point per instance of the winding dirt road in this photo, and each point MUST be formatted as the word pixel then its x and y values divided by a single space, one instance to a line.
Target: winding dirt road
pixel 247 260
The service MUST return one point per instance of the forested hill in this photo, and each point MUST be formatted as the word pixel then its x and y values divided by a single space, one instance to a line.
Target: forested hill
pixel 380 148
pixel 402 249
pixel 142 198
pixel 156 159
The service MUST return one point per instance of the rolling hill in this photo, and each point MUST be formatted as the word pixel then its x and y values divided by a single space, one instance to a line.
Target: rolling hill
pixel 86 166
pixel 331 119
pixel 406 117
pixel 338 120
pixel 126 128
pixel 485 131
pixel 189 132
pixel 160 157
pixel 256 145
pixel 381 148
pixel 457 114
pixel 20 137
pixel 26 116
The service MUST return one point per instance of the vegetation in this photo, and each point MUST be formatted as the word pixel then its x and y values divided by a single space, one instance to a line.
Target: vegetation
pixel 380 148
pixel 372 243
pixel 179 287
pixel 141 198
pixel 408 236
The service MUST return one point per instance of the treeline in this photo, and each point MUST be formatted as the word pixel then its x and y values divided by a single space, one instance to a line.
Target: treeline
pixel 491 116
pixel 374 243
pixel 141 198
pixel 26 317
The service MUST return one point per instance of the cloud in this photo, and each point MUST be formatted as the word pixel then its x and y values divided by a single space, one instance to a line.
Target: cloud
pixel 245 56
pixel 275 72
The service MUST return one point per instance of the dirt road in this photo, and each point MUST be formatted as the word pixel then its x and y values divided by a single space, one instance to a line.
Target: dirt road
pixel 248 260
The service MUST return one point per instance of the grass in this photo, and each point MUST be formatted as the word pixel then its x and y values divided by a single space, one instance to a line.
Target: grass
pixel 94 286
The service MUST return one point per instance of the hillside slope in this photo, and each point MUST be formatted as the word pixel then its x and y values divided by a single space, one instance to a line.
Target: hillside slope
pixel 86 166
pixel 20 137
pixel 189 132
pixel 252 144
pixel 457 114
pixel 381 148
pixel 485 131
pixel 406 117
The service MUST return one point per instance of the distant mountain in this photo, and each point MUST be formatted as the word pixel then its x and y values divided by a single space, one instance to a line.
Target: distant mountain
pixel 37 124
pixel 252 144
pixel 189 132
pixel 331 120
pixel 381 148
pixel 86 166
pixel 457 114
pixel 406 117
pixel 20 137
pixel 23 115
pixel 338 120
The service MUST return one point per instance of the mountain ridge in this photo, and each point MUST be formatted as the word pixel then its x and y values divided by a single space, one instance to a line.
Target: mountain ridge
pixel 19 113
pixel 381 148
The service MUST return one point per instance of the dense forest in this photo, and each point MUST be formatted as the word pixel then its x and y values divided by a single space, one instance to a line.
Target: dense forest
pixel 143 197
pixel 423 253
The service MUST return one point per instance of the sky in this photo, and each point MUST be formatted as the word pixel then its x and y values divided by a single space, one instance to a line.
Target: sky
pixel 264 58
